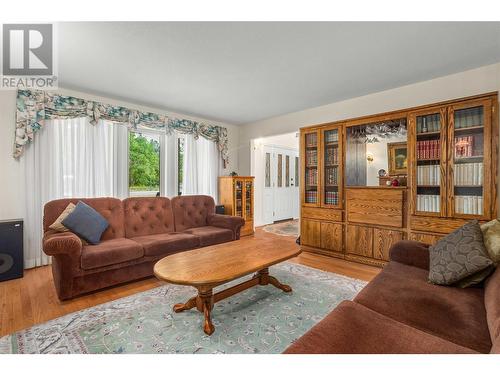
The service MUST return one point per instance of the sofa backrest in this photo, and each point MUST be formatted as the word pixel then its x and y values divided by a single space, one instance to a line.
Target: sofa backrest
pixel 110 208
pixel 492 306
pixel 146 216
pixel 191 211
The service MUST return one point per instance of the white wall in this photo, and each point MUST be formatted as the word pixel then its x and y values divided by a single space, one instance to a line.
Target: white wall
pixel 471 82
pixel 12 188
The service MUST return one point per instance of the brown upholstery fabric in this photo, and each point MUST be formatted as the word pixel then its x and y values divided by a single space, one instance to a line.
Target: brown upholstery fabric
pixel 191 211
pixel 110 208
pixel 233 223
pixel 402 293
pixel 492 305
pixel 167 243
pixel 411 253
pixel 110 252
pixel 211 235
pixel 55 243
pixel 354 329
pixel 145 216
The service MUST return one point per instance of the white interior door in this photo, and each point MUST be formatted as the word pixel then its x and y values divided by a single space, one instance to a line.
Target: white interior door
pixel 286 196
pixel 269 181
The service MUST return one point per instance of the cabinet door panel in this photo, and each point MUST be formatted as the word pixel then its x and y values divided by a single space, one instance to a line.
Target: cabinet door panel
pixel 426 238
pixel 311 233
pixel 383 239
pixel 359 240
pixel 331 236
pixel 311 168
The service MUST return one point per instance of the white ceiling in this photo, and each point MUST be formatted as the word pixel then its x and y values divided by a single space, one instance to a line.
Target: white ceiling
pixel 243 72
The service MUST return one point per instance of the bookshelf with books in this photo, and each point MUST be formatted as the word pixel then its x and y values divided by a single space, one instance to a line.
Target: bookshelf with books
pixel 311 168
pixel 331 187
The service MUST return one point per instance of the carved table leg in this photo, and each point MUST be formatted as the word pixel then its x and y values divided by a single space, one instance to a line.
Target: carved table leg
pixel 265 279
pixel 207 301
pixel 179 307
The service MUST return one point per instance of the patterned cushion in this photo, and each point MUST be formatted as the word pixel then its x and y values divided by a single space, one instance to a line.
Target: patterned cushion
pixel 459 255
pixel 57 225
pixel 491 236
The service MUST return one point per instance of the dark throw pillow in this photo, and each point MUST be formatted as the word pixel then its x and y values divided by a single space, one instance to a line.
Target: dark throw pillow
pixel 458 256
pixel 86 222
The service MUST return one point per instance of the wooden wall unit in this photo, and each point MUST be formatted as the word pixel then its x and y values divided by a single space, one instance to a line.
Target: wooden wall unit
pixel 362 223
pixel 236 193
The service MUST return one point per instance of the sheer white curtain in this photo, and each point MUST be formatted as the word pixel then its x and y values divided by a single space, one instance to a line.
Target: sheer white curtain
pixel 71 158
pixel 201 167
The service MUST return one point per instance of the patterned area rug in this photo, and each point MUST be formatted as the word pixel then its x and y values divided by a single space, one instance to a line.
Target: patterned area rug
pixel 287 228
pixel 262 319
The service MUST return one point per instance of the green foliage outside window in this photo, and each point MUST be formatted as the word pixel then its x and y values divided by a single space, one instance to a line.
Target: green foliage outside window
pixel 144 163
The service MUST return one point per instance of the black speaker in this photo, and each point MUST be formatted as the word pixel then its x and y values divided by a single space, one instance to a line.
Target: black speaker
pixel 11 249
pixel 220 209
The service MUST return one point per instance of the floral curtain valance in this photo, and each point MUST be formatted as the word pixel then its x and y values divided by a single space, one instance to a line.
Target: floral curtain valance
pixel 34 107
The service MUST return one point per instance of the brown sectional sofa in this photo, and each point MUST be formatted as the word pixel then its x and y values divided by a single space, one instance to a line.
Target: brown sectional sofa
pixel 400 312
pixel 141 231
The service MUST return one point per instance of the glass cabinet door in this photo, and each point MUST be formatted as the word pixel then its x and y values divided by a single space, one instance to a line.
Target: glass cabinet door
pixel 331 146
pixel 470 132
pixel 248 200
pixel 311 168
pixel 429 166
pixel 238 198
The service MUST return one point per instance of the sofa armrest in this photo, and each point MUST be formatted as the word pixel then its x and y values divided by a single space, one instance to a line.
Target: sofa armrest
pixel 65 243
pixel 233 223
pixel 412 253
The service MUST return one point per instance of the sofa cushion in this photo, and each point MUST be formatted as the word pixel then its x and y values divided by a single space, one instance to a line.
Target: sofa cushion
pixel 110 252
pixel 211 235
pixel 86 222
pixel 57 225
pixel 402 292
pixel 459 255
pixel 167 243
pixel 145 216
pixel 491 237
pixel 110 208
pixel 191 211
pixel 492 305
pixel 354 329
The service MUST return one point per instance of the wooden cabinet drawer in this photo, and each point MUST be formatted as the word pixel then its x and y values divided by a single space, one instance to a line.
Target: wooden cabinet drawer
pixel 328 214
pixel 428 238
pixel 331 236
pixel 359 240
pixel 310 234
pixel 383 239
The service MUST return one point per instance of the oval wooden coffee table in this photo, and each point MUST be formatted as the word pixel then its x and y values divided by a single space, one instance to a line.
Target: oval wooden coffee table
pixel 211 266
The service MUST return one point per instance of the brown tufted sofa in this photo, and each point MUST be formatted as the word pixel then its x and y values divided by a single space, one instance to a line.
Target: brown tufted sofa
pixel 141 231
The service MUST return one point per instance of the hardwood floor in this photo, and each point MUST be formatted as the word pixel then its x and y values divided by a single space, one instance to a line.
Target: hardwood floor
pixel 32 299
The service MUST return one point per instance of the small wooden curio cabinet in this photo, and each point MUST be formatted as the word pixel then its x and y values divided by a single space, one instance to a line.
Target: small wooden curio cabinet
pixel 236 194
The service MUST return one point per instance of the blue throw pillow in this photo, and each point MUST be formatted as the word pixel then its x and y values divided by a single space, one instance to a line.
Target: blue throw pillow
pixel 86 222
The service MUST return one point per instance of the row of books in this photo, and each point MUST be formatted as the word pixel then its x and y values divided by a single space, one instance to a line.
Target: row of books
pixel 331 136
pixel 428 175
pixel 464 146
pixel 467 118
pixel 428 124
pixel 331 176
pixel 312 177
pixel 332 155
pixel 469 204
pixel 428 203
pixel 311 158
pixel 468 174
pixel 430 149
pixel 311 140
pixel 332 197
pixel 311 196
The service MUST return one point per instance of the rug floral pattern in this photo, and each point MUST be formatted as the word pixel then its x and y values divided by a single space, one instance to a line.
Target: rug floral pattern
pixel 262 319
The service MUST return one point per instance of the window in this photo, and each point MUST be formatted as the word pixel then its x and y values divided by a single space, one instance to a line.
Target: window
pixel 297 171
pixel 144 164
pixel 280 170
pixel 180 164
pixel 268 170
